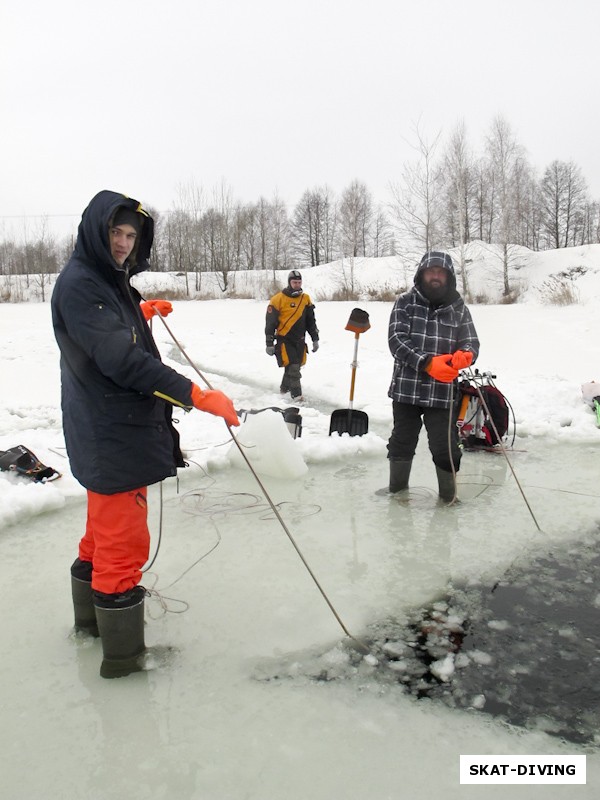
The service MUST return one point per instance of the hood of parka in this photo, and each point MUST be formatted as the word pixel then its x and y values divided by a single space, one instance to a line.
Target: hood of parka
pixel 436 258
pixel 93 246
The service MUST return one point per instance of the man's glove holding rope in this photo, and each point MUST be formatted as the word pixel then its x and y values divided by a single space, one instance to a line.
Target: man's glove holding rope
pixel 441 369
pixel 462 359
pixel 214 402
pixel 150 307
pixel 270 350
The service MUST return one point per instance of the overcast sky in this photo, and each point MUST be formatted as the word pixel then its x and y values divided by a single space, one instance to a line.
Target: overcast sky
pixel 278 95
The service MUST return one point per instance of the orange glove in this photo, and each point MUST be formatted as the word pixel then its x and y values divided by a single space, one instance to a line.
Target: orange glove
pixel 214 402
pixel 150 307
pixel 441 369
pixel 462 359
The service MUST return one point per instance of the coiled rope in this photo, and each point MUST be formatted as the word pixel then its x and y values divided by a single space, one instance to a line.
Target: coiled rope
pixel 265 493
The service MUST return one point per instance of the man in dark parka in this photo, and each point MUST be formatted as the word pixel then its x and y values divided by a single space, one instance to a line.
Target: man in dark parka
pixel 117 399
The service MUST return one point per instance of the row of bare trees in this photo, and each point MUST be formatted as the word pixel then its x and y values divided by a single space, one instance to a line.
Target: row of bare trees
pixel 220 235
pixel 450 197
pixel 445 197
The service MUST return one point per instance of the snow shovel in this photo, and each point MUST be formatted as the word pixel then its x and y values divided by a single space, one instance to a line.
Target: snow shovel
pixel 347 420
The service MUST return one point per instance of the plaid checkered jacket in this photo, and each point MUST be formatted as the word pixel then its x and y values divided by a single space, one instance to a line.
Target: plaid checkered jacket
pixel 416 331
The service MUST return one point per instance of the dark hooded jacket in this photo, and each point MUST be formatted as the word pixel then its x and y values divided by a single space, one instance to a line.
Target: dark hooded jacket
pixel 421 328
pixel 117 395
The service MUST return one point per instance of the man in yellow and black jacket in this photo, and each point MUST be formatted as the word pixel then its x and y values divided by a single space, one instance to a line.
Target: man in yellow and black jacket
pixel 290 316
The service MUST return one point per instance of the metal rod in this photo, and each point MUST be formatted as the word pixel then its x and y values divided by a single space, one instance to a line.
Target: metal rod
pixel 274 509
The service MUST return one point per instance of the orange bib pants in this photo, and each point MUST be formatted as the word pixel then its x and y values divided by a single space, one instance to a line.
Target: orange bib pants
pixel 116 539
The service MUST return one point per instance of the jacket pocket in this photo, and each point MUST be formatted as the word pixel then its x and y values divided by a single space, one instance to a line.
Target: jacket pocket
pixel 133 408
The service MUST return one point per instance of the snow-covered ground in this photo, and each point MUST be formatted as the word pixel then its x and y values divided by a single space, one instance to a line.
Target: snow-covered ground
pixel 237 714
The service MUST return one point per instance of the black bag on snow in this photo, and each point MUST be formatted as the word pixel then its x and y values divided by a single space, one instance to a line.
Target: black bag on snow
pixel 21 460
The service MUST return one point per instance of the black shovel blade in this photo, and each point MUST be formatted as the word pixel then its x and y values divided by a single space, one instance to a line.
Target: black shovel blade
pixel 346 420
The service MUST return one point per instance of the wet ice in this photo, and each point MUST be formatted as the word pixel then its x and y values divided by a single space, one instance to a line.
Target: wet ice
pixel 239 605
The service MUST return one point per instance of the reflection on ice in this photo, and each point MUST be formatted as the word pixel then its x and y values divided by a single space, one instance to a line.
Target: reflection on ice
pixel 526 650
pixel 475 606
pixel 261 662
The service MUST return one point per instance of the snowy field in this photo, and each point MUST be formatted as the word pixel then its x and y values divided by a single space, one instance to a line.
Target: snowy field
pixel 238 713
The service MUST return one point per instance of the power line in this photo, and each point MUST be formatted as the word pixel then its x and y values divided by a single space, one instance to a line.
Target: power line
pixel 35 216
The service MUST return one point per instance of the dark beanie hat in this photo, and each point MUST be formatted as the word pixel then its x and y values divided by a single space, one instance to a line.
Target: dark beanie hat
pixel 125 216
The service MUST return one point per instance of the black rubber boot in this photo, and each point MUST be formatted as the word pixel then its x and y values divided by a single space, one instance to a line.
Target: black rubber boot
pixel 83 604
pixel 121 625
pixel 446 485
pixel 83 600
pixel 293 379
pixel 399 474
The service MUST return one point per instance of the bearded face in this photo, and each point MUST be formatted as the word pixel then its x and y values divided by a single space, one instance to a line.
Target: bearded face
pixel 434 283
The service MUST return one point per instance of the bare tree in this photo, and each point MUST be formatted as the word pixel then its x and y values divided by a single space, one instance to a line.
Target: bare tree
pixel 272 234
pixel 313 226
pixel 44 259
pixel 246 241
pixel 280 235
pixel 591 223
pixel 217 234
pixel 458 176
pixel 176 249
pixel 564 200
pixel 192 203
pixel 507 161
pixel 531 223
pixel 264 225
pixel 305 230
pixel 523 194
pixel 485 201
pixel 595 237
pixel 330 223
pixel 355 219
pixel 416 206
pixel 383 239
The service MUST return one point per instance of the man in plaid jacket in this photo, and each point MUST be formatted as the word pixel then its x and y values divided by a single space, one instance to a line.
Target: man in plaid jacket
pixel 431 336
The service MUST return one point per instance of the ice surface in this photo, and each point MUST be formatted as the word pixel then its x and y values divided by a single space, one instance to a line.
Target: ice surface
pixel 264 698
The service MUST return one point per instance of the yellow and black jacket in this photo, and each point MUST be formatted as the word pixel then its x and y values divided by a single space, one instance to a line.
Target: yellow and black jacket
pixel 289 318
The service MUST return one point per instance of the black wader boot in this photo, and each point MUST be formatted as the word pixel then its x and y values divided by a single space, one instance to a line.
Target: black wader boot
pixel 399 474
pixel 446 485
pixel 292 372
pixel 83 600
pixel 121 625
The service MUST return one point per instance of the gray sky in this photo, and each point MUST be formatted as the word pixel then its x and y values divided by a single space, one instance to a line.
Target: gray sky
pixel 278 95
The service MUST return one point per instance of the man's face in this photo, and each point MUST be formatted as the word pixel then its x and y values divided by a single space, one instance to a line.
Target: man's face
pixel 296 284
pixel 122 241
pixel 435 277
